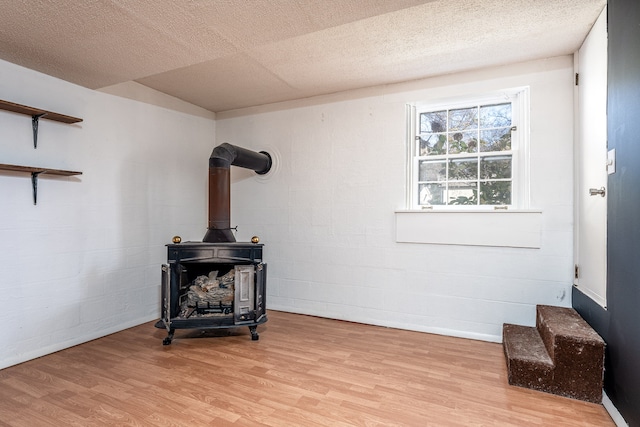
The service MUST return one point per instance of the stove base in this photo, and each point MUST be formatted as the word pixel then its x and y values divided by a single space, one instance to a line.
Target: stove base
pixel 206 324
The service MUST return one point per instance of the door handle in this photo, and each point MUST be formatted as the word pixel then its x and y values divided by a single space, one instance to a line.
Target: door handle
pixel 595 191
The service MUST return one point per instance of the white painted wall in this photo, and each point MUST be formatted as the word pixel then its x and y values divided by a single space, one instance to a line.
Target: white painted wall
pixel 85 262
pixel 326 213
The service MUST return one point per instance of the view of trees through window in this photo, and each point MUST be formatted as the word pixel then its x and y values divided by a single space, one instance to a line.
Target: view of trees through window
pixel 464 156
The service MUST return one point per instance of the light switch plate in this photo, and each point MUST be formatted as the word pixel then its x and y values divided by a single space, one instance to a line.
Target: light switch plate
pixel 611 161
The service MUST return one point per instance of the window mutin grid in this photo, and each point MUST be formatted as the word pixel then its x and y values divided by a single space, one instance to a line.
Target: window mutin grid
pixel 464 155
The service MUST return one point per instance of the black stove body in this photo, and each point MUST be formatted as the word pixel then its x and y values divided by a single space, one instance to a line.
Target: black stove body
pixel 212 286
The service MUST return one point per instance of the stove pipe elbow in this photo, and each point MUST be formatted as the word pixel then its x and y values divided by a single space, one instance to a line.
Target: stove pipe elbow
pixel 226 155
pixel 222 158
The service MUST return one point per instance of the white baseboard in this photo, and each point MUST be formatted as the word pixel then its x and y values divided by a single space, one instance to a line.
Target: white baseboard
pixel 613 412
pixel 39 352
pixel 390 324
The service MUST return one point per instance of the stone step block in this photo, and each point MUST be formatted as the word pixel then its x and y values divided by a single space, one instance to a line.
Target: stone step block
pixel 562 355
pixel 528 363
pixel 577 352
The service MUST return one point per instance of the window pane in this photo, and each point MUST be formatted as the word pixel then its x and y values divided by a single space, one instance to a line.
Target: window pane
pixel 463 119
pixel 467 154
pixel 433 122
pixel 495 116
pixel 463 142
pixel 495 140
pixel 432 170
pixel 431 194
pixel 463 193
pixel 432 144
pixel 463 169
pixel 495 193
pixel 495 167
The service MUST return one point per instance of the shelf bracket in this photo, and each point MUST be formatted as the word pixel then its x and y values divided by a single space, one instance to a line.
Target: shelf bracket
pixel 35 173
pixel 34 184
pixel 35 119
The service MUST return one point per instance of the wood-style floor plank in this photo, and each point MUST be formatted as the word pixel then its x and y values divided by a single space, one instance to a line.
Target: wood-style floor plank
pixel 304 371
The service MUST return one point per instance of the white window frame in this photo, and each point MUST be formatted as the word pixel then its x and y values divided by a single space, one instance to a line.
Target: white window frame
pixel 519 147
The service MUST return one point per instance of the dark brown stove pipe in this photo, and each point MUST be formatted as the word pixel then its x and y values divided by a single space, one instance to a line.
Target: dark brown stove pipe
pixel 222 158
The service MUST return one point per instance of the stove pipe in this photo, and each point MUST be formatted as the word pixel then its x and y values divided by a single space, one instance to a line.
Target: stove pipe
pixel 222 158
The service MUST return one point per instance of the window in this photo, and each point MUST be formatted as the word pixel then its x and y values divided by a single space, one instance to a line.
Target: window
pixel 470 153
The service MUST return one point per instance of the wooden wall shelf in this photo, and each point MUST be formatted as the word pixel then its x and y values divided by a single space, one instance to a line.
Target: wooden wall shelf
pixel 35 172
pixel 36 114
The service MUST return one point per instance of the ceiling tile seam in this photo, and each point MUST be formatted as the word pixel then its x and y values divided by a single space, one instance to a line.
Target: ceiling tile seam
pixel 150 25
pixel 241 49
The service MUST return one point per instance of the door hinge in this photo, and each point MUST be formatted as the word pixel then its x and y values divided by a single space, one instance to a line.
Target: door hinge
pixel 576 271
pixel 577 79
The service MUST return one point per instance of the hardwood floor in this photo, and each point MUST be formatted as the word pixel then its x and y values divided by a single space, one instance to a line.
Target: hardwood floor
pixel 304 371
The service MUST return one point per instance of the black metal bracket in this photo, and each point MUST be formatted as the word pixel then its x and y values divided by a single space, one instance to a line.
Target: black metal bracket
pixel 35 119
pixel 35 172
pixel 34 184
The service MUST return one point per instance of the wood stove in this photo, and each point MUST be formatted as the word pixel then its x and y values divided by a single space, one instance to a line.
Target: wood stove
pixel 212 286
pixel 217 283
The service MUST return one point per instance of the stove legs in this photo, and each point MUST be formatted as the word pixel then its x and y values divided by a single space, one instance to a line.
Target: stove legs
pixel 252 329
pixel 254 333
pixel 169 337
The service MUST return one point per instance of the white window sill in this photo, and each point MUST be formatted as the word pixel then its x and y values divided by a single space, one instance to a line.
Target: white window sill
pixel 512 228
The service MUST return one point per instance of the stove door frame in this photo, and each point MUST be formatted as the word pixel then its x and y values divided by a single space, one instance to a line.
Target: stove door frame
pixel 250 285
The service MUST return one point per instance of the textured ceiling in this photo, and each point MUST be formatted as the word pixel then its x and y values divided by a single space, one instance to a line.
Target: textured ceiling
pixel 229 54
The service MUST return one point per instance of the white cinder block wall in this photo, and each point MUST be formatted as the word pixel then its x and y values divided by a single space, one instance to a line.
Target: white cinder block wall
pixel 326 213
pixel 85 262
